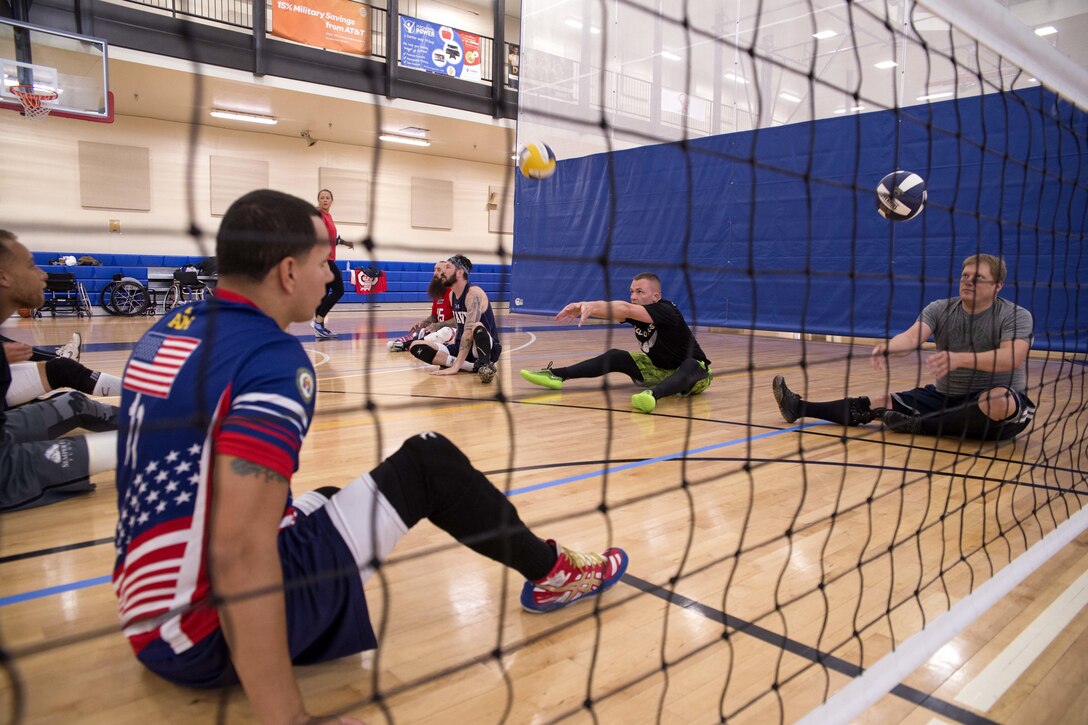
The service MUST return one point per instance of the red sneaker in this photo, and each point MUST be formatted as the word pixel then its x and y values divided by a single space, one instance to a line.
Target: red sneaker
pixel 576 575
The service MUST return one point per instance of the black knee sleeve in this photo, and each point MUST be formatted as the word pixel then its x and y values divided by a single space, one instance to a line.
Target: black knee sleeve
pixel 423 352
pixel 62 372
pixel 429 477
pixel 482 340
pixel 423 476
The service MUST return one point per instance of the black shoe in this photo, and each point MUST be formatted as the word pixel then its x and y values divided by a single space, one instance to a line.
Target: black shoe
pixel 902 422
pixel 789 402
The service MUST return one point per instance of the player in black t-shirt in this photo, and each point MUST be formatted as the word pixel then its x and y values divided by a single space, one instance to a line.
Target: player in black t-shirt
pixel 670 363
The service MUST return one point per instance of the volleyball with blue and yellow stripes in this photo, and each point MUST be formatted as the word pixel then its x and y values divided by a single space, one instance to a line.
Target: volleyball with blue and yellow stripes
pixel 536 161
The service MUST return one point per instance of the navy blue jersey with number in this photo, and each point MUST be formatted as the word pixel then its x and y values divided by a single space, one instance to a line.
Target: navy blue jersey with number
pixel 487 319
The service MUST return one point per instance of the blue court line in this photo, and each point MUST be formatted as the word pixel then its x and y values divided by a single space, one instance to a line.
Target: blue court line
pixel 650 461
pixel 83 584
pixel 50 591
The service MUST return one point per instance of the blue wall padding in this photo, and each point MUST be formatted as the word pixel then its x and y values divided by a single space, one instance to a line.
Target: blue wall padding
pixel 793 242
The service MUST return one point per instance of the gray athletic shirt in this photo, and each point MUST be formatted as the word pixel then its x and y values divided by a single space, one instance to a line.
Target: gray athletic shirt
pixel 957 331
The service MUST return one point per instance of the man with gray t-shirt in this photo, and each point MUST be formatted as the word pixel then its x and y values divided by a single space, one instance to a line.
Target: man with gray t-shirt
pixel 979 364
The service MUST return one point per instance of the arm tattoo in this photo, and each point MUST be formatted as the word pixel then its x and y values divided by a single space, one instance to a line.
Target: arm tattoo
pixel 246 468
pixel 474 312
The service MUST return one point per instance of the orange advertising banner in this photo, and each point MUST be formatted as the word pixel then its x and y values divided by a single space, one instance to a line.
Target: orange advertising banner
pixel 330 24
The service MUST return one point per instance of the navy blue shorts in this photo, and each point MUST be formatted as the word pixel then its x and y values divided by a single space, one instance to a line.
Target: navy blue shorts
pixel 932 404
pixel 327 616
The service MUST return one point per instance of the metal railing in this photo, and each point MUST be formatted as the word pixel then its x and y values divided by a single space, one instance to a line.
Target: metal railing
pixel 239 14
pixel 235 13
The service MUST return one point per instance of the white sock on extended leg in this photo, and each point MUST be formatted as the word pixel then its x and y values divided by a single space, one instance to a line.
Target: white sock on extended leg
pixel 107 385
pixel 101 451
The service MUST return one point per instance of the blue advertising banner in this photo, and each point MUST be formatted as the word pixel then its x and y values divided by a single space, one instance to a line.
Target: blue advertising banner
pixel 439 49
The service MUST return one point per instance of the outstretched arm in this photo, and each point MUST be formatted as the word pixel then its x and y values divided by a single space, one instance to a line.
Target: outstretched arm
pixel 616 310
pixel 910 339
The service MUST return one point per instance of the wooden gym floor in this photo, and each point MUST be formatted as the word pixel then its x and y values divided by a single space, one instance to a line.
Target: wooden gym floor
pixel 720 612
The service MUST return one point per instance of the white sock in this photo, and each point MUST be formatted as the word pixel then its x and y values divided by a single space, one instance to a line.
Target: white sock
pixel 101 451
pixel 107 385
pixel 26 384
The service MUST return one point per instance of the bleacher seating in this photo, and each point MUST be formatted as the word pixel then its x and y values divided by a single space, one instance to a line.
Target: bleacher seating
pixel 405 281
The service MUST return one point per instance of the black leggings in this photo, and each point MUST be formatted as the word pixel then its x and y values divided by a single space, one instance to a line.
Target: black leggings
pixel 333 291
pixel 620 361
pixel 430 478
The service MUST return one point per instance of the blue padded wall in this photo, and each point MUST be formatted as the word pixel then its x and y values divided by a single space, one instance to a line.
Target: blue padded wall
pixel 756 246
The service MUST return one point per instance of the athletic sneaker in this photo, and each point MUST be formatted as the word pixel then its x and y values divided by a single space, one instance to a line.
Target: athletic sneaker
pixel 72 348
pixel 576 575
pixel 487 373
pixel 322 332
pixel 901 422
pixel 789 402
pixel 396 345
pixel 644 402
pixel 544 378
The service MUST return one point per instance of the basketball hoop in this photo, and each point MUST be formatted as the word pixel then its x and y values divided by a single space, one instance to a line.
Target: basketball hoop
pixel 34 100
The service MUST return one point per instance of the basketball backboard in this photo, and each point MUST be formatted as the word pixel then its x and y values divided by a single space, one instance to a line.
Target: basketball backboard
pixel 70 65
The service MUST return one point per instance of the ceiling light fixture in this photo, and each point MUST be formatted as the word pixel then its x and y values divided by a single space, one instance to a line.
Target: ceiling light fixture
pixel 734 77
pixel 245 117
pixel 406 140
pixel 885 64
pixel 824 34
pixel 787 96
pixel 934 96
pixel 259 118
pixel 669 56
pixel 852 109
pixel 1046 30
pixel 576 24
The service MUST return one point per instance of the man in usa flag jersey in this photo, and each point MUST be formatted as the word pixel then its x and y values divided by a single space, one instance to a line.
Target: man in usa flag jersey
pixel 222 576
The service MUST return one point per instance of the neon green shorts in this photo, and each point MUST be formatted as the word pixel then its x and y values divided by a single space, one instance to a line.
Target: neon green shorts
pixel 652 375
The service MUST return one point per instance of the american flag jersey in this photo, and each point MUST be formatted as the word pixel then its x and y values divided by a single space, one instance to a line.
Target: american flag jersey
pixel 217 377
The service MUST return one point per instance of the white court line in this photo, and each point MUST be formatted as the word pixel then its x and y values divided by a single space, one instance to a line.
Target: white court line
pixel 321 362
pixel 989 685
pixel 532 339
pixel 852 700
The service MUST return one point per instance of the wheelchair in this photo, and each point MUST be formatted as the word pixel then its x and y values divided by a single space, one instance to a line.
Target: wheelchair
pixel 186 287
pixel 127 296
pixel 64 292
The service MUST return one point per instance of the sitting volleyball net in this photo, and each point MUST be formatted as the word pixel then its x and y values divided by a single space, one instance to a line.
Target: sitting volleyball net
pixel 736 150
